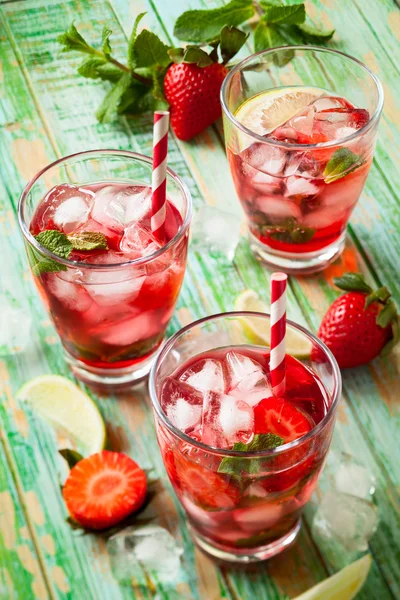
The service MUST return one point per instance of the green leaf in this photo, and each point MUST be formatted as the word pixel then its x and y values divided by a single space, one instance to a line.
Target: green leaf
pixel 352 282
pixel 41 264
pixel 232 39
pixel 55 241
pixel 343 162
pixel 88 240
pixel 105 41
pixel 149 50
pixel 387 314
pixel 71 456
pixel 129 99
pixel 235 465
pixel 89 67
pixel 197 56
pixel 72 40
pixel 284 15
pixel 158 82
pixel 176 55
pixel 205 25
pixel 109 106
pixel 132 39
pixel 395 338
pixel 382 294
pixel 267 36
pixel 109 72
pixel 310 30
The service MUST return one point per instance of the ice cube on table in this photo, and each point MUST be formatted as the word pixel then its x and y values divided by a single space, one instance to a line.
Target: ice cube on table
pixel 110 286
pixel 182 404
pixel 247 379
pixel 66 207
pixel 66 286
pixel 15 327
pixel 214 230
pixel 118 206
pixel 144 552
pixel 354 479
pixel 345 519
pixel 226 421
pixel 205 375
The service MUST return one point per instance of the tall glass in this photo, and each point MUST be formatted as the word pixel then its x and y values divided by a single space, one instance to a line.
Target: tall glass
pixel 297 206
pixel 236 525
pixel 111 318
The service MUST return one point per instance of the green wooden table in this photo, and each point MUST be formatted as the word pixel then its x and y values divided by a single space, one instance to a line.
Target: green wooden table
pixel 47 111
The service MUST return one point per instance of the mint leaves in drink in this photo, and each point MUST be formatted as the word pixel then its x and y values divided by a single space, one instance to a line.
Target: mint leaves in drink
pixel 62 245
pixel 343 162
pixel 235 465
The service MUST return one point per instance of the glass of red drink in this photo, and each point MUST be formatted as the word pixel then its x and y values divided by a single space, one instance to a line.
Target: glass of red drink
pixel 300 130
pixel 111 301
pixel 242 462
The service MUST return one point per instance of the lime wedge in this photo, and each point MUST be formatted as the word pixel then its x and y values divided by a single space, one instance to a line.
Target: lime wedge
pixel 344 585
pixel 296 344
pixel 264 112
pixel 68 409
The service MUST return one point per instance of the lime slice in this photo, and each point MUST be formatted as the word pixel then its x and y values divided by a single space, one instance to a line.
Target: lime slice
pixel 344 585
pixel 266 111
pixel 296 344
pixel 68 409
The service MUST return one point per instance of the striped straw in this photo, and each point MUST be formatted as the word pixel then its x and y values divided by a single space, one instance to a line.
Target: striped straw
pixel 159 175
pixel 278 332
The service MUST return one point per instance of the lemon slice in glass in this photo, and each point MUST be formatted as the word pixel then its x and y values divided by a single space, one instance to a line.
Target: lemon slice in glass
pixel 296 344
pixel 60 402
pixel 344 585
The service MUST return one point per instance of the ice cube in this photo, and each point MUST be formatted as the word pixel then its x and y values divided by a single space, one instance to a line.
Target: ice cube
pixel 226 420
pixel 354 479
pixel 15 327
pixel 302 187
pixel 253 520
pixel 322 217
pixel 118 206
pixel 66 286
pixel 144 552
pixel 278 208
pixel 138 242
pixel 182 404
pixel 71 213
pixel 268 184
pixel 214 230
pixel 247 379
pixel 205 375
pixel 128 331
pixel 266 158
pixel 66 207
pixel 345 519
pixel 110 286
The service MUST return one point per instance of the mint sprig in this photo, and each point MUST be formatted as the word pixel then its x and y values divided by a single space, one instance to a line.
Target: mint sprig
pixel 235 465
pixel 342 162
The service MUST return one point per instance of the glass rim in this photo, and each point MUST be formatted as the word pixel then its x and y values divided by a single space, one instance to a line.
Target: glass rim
pixel 336 393
pixel 103 267
pixel 372 120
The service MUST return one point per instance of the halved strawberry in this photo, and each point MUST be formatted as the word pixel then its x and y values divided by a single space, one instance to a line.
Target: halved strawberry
pixel 104 489
pixel 205 487
pixel 276 415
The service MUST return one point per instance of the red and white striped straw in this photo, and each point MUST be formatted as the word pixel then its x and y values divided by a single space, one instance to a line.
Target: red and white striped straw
pixel 278 333
pixel 159 175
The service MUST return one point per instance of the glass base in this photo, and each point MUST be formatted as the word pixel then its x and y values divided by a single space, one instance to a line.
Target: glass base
pixel 114 378
pixel 245 556
pixel 303 263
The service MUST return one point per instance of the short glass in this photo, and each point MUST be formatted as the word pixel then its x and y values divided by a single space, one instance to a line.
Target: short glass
pixel 110 333
pixel 248 528
pixel 297 215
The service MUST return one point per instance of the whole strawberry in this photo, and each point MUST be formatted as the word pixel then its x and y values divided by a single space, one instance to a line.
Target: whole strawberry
pixel 193 95
pixel 360 324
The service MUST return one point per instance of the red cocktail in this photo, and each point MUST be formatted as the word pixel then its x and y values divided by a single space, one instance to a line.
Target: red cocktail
pixel 112 298
pixel 242 462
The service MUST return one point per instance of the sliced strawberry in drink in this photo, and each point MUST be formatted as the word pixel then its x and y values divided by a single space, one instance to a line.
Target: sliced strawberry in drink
pixel 104 489
pixel 170 467
pixel 278 416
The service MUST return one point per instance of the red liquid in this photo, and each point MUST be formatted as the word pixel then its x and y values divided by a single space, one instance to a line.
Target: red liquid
pixel 116 317
pixel 289 204
pixel 248 506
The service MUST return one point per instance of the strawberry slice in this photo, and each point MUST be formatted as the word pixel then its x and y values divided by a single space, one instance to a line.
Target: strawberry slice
pixel 276 415
pixel 205 487
pixel 104 489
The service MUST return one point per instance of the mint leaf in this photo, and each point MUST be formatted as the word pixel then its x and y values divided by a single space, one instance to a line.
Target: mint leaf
pixel 130 98
pixel 205 25
pixel 387 314
pixel 235 465
pixel 197 56
pixel 149 50
pixel 132 39
pixel 310 30
pixel 88 240
pixel 352 282
pixel 72 40
pixel 55 241
pixel 41 264
pixel 284 15
pixel 109 72
pixel 108 107
pixel 71 456
pixel 231 40
pixel 89 67
pixel 105 41
pixel 267 36
pixel 343 162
